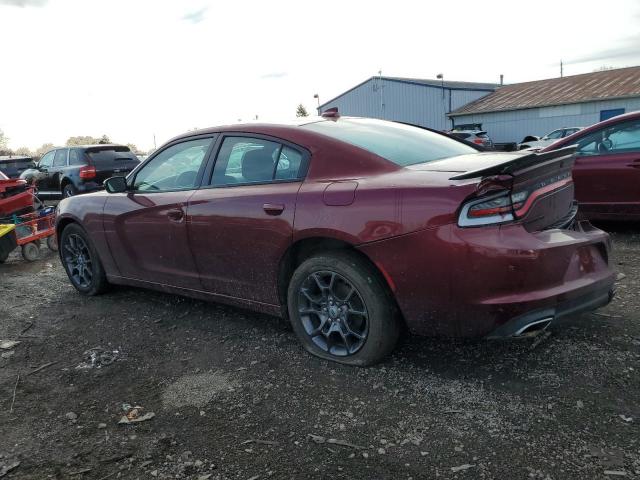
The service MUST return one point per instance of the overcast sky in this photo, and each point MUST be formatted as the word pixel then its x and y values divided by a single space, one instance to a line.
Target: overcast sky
pixel 131 68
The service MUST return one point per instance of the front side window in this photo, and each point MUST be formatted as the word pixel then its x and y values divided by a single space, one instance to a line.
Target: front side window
pixel 620 138
pixel 60 160
pixel 401 144
pixel 175 168
pixel 245 160
pixel 47 159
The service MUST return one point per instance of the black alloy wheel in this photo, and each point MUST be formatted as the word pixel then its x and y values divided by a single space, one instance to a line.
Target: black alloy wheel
pixel 81 261
pixel 333 313
pixel 342 310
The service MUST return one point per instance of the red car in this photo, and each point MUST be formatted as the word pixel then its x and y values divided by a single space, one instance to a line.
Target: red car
pixel 607 169
pixel 353 228
pixel 16 196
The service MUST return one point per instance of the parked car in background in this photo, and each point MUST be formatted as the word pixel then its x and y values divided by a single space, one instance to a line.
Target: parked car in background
pixel 548 139
pixel 68 171
pixel 13 165
pixel 477 137
pixel 607 168
pixel 351 227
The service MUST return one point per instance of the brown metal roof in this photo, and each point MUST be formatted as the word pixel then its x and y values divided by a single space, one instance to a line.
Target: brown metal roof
pixel 607 84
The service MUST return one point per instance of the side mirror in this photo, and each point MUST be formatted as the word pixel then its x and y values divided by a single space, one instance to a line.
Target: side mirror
pixel 115 184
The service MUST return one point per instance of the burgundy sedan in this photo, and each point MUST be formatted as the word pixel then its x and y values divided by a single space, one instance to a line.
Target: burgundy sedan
pixel 607 168
pixel 352 228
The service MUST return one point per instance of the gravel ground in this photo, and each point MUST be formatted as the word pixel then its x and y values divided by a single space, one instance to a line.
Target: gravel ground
pixel 229 394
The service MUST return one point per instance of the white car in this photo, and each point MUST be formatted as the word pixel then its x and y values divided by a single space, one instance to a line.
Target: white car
pixel 535 142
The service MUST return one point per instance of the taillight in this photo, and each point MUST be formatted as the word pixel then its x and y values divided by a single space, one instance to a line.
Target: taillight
pixel 478 141
pixel 507 206
pixel 87 172
pixel 487 211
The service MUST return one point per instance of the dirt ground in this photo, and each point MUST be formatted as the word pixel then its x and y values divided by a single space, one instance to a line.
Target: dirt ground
pixel 234 396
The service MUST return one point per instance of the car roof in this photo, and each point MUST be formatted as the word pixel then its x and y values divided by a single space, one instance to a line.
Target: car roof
pixel 14 157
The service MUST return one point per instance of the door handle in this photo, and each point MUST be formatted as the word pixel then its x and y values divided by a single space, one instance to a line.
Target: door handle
pixel 175 215
pixel 273 208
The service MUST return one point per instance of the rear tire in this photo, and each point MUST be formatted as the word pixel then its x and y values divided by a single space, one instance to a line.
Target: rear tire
pixel 30 252
pixel 69 191
pixel 342 310
pixel 81 261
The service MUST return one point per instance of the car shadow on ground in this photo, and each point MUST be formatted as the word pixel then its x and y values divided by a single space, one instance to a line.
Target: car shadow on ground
pixel 452 358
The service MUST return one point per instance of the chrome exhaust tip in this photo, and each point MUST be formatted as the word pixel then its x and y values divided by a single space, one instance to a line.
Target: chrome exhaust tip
pixel 534 328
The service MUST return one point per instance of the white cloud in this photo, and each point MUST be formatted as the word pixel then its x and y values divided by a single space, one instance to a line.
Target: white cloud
pixel 23 3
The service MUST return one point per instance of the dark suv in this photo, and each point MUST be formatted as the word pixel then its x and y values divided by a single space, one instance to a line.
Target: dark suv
pixel 71 170
pixel 13 165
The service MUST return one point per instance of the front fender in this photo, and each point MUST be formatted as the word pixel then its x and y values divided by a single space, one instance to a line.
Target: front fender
pixel 87 211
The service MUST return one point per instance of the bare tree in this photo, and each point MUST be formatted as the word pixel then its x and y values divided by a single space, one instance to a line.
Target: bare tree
pixel 43 149
pixel 4 149
pixel 26 151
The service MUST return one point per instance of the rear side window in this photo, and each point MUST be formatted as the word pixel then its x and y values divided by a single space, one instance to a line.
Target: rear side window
pixel 75 157
pixel 401 144
pixel 245 160
pixel 60 160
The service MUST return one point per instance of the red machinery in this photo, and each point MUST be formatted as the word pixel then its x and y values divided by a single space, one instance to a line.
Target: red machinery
pixel 16 196
pixel 28 231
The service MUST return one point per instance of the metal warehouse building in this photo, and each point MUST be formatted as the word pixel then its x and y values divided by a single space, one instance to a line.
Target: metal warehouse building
pixel 536 108
pixel 508 113
pixel 411 100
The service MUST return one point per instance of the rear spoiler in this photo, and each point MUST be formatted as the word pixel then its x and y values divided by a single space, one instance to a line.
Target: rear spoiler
pixel 522 162
pixel 102 148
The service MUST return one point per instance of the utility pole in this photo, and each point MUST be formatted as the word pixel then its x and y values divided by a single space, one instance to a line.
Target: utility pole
pixel 561 72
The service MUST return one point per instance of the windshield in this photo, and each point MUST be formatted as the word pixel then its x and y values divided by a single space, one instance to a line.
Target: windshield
pixel 553 135
pixel 401 144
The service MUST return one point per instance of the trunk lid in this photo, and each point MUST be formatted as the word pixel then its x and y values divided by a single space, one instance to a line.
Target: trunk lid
pixel 540 184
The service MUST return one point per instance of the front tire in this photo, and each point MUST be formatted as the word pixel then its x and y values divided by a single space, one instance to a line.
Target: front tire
pixel 81 262
pixel 342 310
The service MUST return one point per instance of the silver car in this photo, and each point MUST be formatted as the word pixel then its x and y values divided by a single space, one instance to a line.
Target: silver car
pixel 535 142
pixel 477 137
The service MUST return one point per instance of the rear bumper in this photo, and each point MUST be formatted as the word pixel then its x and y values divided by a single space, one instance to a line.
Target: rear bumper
pixel 550 316
pixel 477 282
pixel 91 186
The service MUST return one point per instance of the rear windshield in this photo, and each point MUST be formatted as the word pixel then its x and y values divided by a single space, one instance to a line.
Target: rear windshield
pixel 108 157
pixel 402 144
pixel 24 162
pixel 460 135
